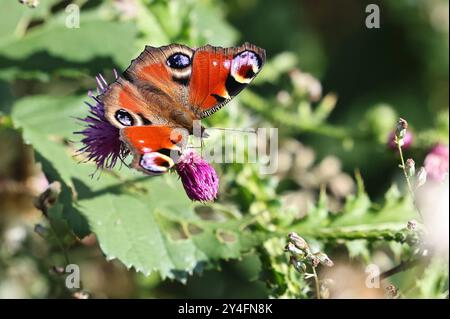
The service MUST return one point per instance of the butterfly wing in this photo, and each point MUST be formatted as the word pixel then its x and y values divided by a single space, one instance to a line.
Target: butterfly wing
pixel 125 106
pixel 219 74
pixel 175 84
pixel 153 89
pixel 155 148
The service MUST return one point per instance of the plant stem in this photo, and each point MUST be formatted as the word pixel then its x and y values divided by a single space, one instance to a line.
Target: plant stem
pixel 58 239
pixel 316 281
pixel 387 232
pixel 404 265
pixel 408 182
pixel 288 120
pixel 404 170
pixel 60 243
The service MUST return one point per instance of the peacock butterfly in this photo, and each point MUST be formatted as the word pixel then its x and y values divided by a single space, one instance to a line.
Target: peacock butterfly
pixel 165 89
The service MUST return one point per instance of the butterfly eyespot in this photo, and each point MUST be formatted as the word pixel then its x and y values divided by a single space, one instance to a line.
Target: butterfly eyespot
pixel 178 61
pixel 124 118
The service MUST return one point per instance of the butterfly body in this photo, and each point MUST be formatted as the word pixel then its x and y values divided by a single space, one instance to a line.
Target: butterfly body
pixel 164 90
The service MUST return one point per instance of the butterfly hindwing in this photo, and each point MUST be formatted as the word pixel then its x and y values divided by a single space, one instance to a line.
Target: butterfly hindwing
pixel 155 148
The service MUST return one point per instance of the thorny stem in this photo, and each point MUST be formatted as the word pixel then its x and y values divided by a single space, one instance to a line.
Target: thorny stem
pixel 408 182
pixel 258 105
pixel 368 232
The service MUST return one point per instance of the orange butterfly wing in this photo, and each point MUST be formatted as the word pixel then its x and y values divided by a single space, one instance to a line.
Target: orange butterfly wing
pixel 219 74
pixel 155 148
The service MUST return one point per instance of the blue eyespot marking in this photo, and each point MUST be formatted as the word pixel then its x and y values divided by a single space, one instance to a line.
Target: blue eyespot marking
pixel 178 61
pixel 124 118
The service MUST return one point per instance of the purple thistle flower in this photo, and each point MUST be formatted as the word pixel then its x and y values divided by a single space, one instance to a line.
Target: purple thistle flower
pixel 103 145
pixel 437 163
pixel 101 139
pixel 407 140
pixel 199 179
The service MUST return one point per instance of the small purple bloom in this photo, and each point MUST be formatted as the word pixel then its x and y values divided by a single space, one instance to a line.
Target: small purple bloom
pixel 101 139
pixel 407 140
pixel 199 179
pixel 436 163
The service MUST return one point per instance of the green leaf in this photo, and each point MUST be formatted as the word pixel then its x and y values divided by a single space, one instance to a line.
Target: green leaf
pixel 13 24
pixel 358 248
pixel 9 21
pixel 434 283
pixel 147 223
pixel 52 47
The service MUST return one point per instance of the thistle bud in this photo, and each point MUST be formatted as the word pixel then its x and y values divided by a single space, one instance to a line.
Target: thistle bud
pixel 298 265
pixel 392 291
pixel 324 259
pixel 407 140
pixel 290 247
pixel 48 197
pixel 298 241
pixel 412 225
pixel 313 260
pixel 410 167
pixel 400 130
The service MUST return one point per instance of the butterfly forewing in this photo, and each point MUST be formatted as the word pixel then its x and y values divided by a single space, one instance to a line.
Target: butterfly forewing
pixel 219 74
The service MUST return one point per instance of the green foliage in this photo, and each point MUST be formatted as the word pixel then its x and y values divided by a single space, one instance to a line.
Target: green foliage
pixel 148 223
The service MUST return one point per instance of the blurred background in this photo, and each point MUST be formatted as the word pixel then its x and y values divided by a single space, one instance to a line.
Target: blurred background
pixel 348 83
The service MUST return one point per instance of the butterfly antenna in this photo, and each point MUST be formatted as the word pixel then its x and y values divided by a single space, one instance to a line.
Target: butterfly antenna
pixel 249 130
